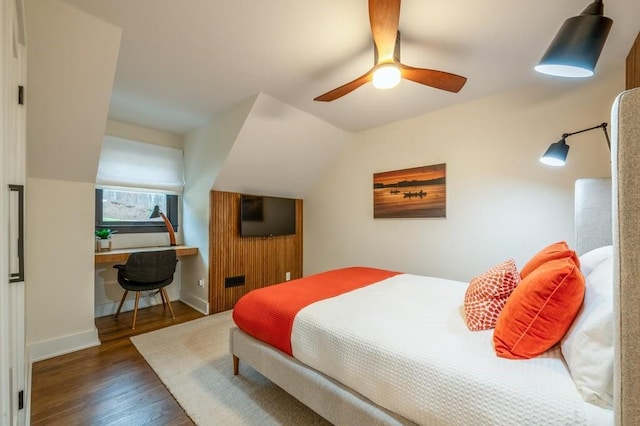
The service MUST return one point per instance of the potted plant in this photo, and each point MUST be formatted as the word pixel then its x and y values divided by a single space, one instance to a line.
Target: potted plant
pixel 103 238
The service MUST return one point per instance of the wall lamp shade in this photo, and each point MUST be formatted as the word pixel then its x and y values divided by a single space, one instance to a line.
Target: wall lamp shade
pixel 576 47
pixel 556 155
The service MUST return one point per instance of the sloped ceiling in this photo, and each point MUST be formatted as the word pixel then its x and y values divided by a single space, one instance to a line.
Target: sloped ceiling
pixel 182 62
pixel 71 58
pixel 280 151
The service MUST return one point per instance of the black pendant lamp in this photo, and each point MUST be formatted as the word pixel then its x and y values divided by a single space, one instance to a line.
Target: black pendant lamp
pixel 576 47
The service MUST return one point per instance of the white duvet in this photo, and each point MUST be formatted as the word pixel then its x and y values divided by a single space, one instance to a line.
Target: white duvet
pixel 403 344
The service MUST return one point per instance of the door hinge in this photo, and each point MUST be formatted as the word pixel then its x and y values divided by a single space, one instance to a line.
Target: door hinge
pixel 20 400
pixel 21 95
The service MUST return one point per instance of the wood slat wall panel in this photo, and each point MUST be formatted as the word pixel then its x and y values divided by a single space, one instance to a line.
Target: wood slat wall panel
pixel 263 261
pixel 633 65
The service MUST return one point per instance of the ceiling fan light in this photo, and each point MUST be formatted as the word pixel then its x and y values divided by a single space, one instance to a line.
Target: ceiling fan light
pixel 386 76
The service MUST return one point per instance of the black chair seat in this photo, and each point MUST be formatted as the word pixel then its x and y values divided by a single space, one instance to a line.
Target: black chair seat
pixel 136 286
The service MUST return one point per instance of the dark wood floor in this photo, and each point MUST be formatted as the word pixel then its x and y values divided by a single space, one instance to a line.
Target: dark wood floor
pixel 110 384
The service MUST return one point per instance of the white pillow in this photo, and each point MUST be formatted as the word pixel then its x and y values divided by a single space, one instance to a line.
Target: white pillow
pixel 588 345
pixel 590 260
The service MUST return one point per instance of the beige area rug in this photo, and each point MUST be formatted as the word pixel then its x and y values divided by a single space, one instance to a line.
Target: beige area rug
pixel 193 361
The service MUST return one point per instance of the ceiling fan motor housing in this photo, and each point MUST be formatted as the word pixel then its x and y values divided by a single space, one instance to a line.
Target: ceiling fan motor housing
pixel 396 51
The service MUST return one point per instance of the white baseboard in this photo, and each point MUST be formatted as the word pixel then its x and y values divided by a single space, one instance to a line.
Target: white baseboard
pixel 63 345
pixel 196 303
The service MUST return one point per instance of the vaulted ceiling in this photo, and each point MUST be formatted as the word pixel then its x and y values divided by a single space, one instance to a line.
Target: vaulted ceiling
pixel 182 62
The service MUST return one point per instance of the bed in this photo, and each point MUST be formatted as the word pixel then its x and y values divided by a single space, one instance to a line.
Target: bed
pixel 347 384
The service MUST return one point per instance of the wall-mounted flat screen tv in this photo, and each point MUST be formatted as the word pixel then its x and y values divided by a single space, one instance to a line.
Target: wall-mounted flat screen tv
pixel 267 216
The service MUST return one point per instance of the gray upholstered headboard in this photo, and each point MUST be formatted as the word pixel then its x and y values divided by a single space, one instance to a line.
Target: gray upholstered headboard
pixel 593 214
pixel 625 163
pixel 608 212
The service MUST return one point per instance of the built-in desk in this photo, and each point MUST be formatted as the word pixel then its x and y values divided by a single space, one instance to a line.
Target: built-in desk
pixel 121 255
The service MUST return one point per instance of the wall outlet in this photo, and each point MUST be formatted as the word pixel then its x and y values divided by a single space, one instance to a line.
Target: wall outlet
pixel 201 283
pixel 287 276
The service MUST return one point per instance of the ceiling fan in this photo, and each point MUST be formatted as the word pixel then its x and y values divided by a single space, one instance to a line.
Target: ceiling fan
pixel 387 70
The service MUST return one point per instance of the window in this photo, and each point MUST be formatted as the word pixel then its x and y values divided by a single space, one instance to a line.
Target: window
pixel 135 181
pixel 133 211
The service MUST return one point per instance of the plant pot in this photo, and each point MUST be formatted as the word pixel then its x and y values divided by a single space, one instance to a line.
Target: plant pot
pixel 104 245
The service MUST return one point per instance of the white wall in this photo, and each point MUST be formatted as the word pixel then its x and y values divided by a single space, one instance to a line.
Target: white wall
pixel 72 61
pixel 501 202
pixel 205 151
pixel 277 142
pixel 134 132
pixel 60 246
pixel 71 65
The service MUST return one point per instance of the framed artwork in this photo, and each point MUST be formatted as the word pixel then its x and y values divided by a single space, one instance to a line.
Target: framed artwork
pixel 410 193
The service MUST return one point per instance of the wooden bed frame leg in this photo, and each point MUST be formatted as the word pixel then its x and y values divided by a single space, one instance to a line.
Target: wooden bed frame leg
pixel 236 365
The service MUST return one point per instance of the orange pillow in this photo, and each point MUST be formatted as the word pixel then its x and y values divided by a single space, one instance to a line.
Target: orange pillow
pixel 486 295
pixel 540 310
pixel 553 251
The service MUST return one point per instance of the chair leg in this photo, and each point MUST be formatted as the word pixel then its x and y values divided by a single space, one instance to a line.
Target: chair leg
pixel 166 296
pixel 164 303
pixel 124 296
pixel 135 311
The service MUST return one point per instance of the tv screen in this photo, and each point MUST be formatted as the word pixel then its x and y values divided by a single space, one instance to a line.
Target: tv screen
pixel 267 216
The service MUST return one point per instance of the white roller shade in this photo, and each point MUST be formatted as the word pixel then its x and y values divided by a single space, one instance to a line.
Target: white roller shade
pixel 140 165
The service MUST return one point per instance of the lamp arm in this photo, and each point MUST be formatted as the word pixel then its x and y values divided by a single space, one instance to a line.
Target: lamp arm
pixel 606 135
pixel 172 234
pixel 604 129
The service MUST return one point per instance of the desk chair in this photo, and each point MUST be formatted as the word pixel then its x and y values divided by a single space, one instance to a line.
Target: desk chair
pixel 144 271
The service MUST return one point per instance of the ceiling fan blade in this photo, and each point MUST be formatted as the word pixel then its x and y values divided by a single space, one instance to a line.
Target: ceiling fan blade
pixel 438 79
pixel 384 16
pixel 345 88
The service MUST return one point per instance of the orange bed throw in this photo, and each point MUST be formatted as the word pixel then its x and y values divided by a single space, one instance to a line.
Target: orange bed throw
pixel 268 313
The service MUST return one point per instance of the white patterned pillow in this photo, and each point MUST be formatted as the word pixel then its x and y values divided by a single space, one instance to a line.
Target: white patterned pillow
pixel 486 295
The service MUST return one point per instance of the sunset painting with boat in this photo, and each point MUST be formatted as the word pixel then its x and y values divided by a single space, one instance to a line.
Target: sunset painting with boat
pixel 415 192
